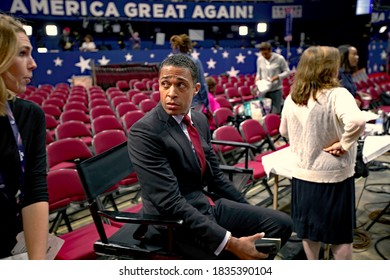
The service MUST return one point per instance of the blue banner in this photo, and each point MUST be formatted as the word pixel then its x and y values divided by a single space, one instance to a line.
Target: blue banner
pixel 138 10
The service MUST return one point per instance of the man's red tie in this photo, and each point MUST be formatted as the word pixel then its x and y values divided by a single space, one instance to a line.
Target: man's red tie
pixel 195 139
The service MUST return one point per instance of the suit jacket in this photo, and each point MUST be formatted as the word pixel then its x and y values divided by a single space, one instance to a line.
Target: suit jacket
pixel 170 176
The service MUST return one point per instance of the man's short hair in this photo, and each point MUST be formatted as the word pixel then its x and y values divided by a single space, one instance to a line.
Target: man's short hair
pixel 265 46
pixel 182 61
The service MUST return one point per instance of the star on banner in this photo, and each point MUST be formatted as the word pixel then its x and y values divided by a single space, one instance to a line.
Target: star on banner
pixel 152 55
pixel 233 72
pixel 383 55
pixel 128 57
pixel 83 64
pixel 225 54
pixel 103 60
pixel 195 54
pixel 211 63
pixel 240 58
pixel 58 61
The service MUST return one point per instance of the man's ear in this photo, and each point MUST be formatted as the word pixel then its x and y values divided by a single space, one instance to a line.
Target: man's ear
pixel 197 88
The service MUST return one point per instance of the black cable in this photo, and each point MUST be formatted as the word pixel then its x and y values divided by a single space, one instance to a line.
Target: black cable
pixel 376 245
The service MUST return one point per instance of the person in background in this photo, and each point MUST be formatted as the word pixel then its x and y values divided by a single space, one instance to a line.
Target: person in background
pixel 272 67
pixel 214 105
pixel 323 124
pixel 183 44
pixel 88 45
pixel 135 40
pixel 66 41
pixel 173 172
pixel 349 59
pixel 23 192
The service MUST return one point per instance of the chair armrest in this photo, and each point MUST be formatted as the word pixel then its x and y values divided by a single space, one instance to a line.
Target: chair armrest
pixel 233 143
pixel 248 147
pixel 142 219
pixel 233 169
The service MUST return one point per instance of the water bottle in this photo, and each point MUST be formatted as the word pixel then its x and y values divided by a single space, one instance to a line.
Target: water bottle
pixel 379 122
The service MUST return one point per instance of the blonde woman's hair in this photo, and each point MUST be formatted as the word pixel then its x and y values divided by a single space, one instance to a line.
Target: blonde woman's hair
pixel 182 42
pixel 9 44
pixel 317 70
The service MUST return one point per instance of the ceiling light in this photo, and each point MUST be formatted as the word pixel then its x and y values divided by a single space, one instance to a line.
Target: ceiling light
pixel 243 30
pixel 51 30
pixel 382 29
pixel 261 27
pixel 28 29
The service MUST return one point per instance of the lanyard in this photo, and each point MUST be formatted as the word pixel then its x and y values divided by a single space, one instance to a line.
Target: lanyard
pixel 19 143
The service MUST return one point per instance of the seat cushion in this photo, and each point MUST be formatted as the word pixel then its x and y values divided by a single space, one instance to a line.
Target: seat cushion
pixel 79 243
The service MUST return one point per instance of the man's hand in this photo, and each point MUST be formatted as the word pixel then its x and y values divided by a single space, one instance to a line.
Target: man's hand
pixel 244 247
pixel 335 149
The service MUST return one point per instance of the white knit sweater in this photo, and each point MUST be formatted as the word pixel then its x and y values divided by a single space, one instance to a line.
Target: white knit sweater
pixel 334 117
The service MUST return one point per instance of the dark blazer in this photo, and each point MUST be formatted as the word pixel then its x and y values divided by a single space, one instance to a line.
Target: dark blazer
pixel 170 174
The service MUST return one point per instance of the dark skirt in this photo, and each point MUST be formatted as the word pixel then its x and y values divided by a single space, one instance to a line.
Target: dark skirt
pixel 324 211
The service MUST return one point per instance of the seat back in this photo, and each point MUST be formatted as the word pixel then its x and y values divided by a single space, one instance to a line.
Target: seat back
pixel 137 98
pixel 223 102
pixel 245 92
pixel 76 105
pixel 51 122
pixel 115 101
pixel 272 124
pixel 122 85
pixel 141 86
pixel 64 186
pixel 54 101
pixel 101 111
pixel 74 115
pixel 254 133
pixel 98 102
pixel 52 110
pixel 130 118
pixel 67 150
pixel 98 174
pixel 72 129
pixel 221 116
pixel 125 107
pixel 147 105
pixel 105 123
pixel 155 95
pixel 228 154
pixel 107 139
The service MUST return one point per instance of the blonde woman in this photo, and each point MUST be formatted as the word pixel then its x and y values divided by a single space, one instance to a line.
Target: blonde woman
pixel 323 123
pixel 23 192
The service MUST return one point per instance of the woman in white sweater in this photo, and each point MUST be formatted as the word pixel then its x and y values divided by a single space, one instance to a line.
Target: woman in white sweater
pixel 323 123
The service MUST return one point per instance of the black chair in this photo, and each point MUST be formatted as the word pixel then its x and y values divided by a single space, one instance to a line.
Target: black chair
pixel 98 174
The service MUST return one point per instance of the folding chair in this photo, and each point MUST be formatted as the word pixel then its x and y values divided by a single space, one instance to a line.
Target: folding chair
pixel 97 175
pixel 104 141
pixel 254 133
pixel 233 150
pixel 272 124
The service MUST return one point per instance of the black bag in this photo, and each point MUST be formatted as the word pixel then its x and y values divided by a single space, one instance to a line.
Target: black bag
pixel 361 169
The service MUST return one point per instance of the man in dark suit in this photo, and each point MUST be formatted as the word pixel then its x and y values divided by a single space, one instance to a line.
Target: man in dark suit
pixel 172 180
